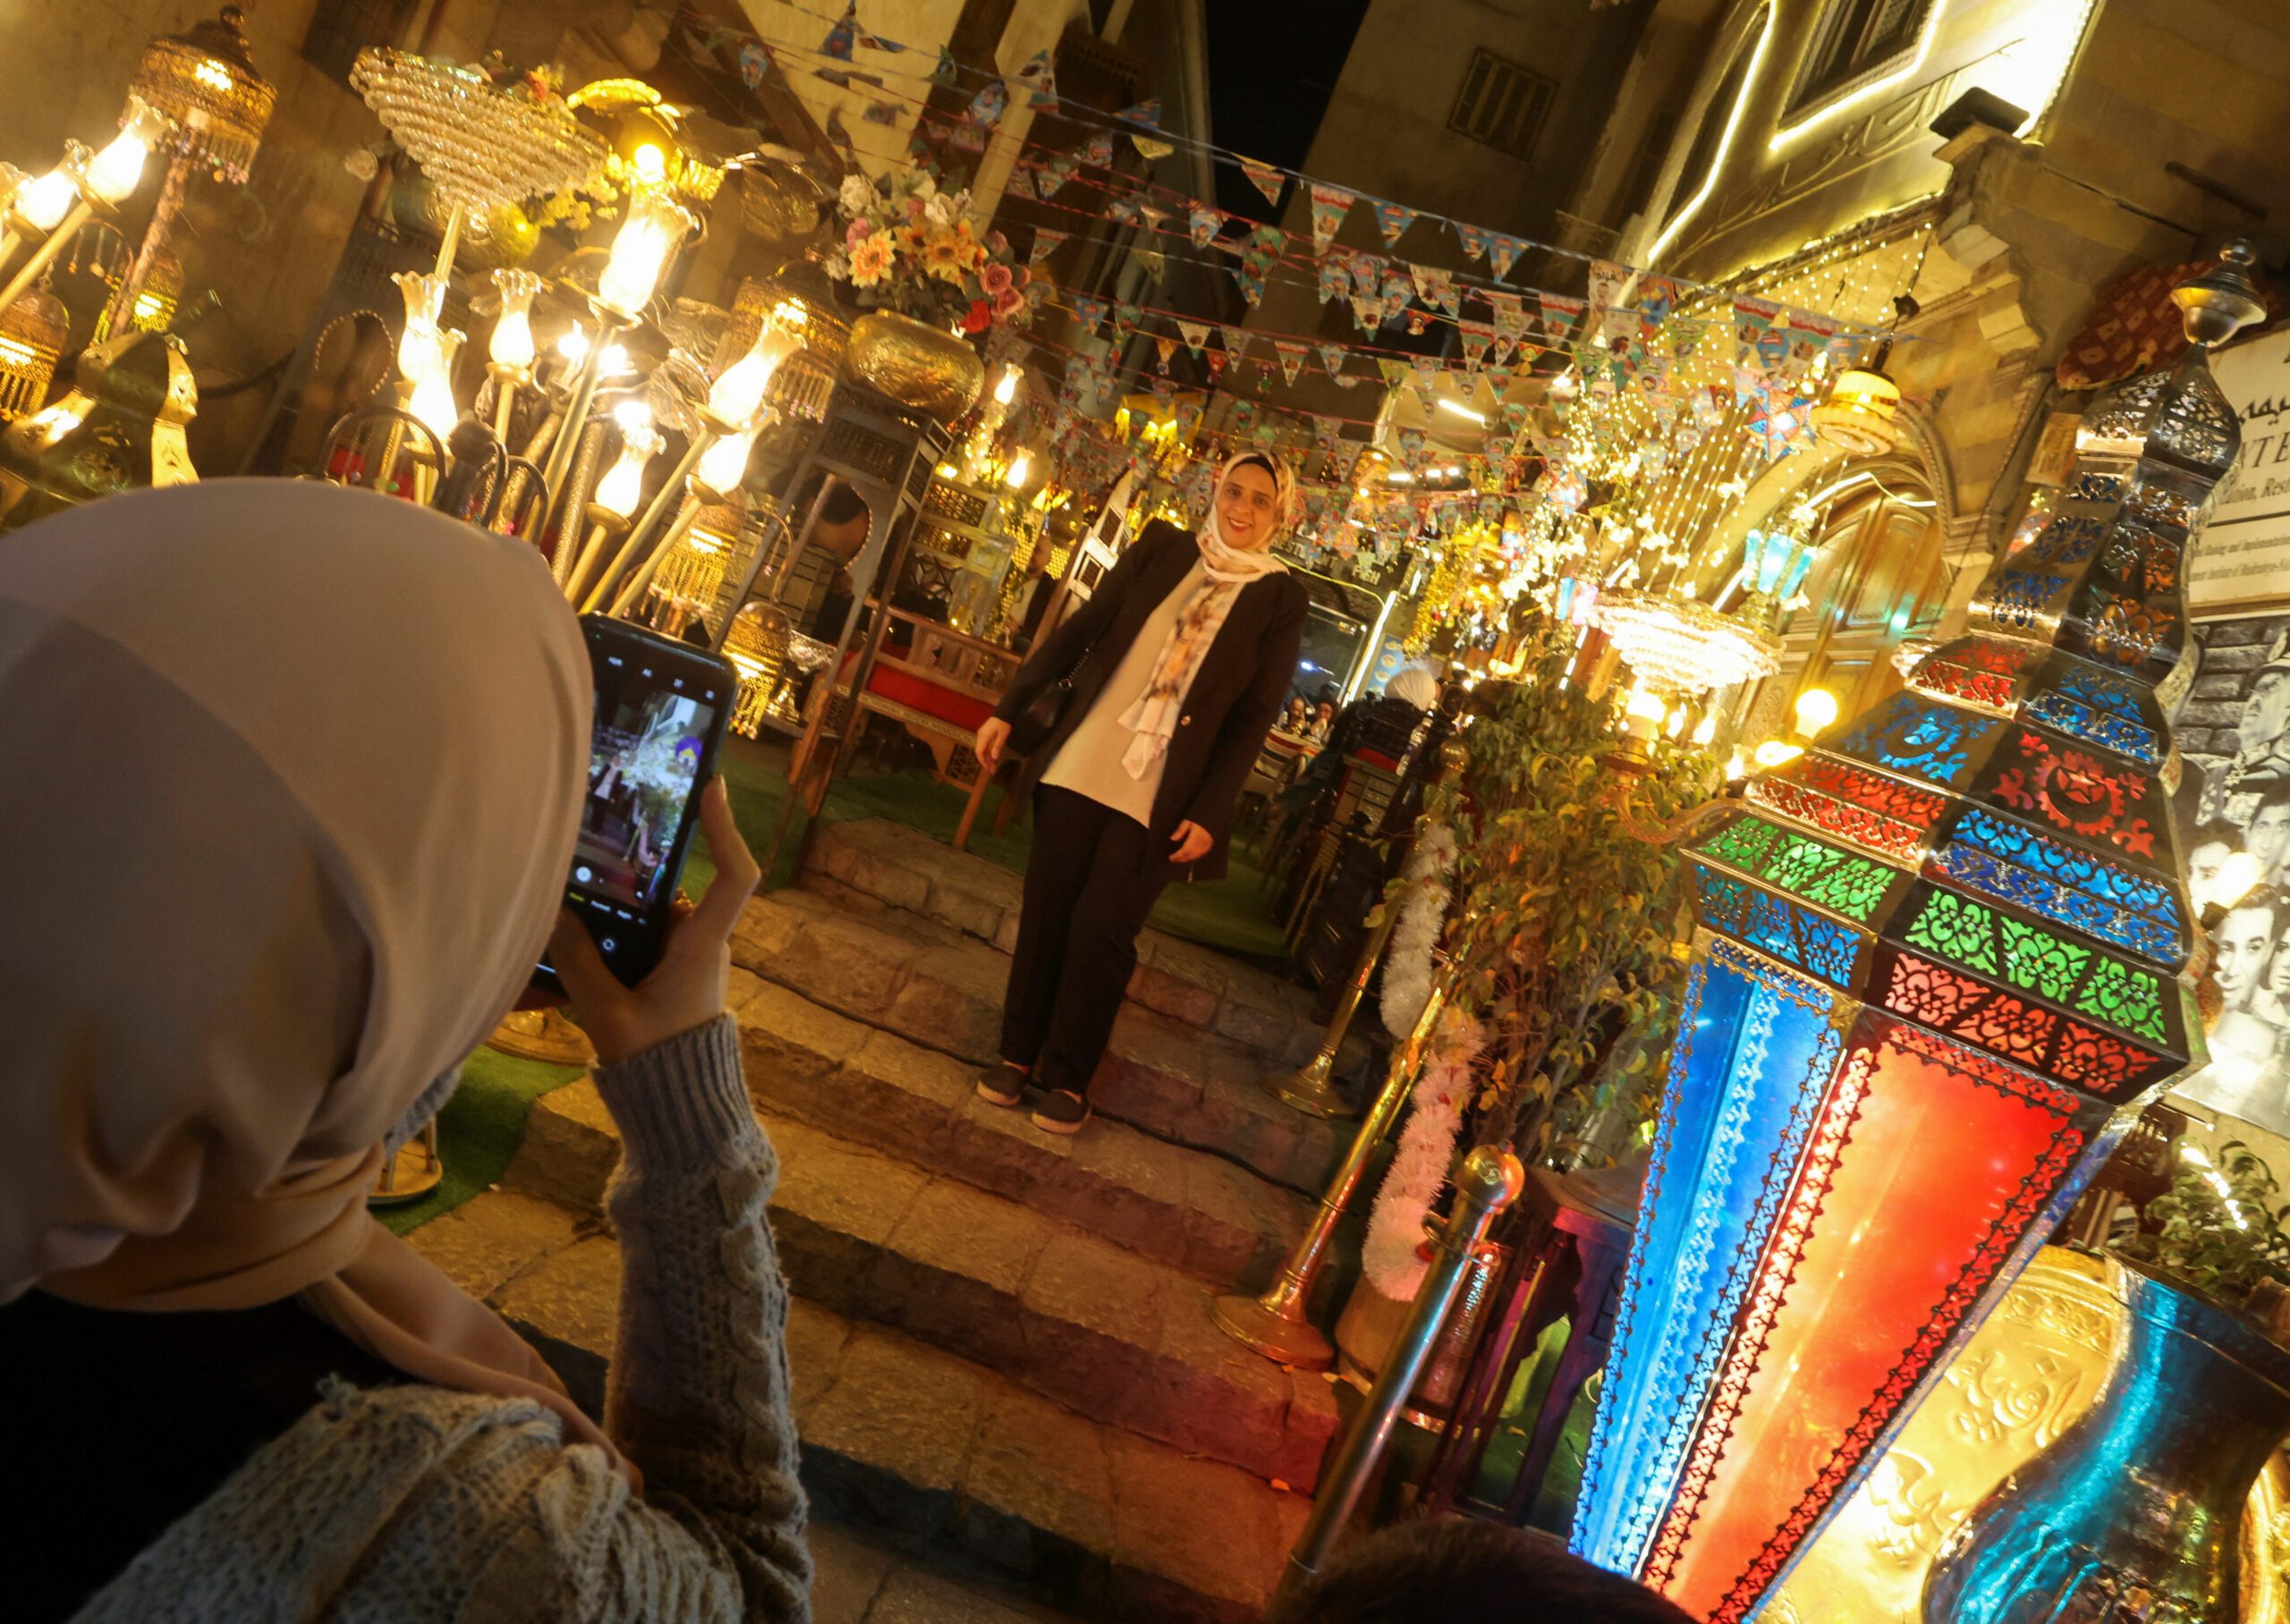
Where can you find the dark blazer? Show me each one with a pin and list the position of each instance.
(1233, 700)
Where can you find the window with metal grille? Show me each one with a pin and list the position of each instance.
(1853, 40)
(1501, 104)
(340, 29)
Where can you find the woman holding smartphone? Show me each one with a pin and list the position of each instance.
(300, 852)
(1170, 676)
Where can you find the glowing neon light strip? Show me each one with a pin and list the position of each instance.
(1875, 87)
(1725, 145)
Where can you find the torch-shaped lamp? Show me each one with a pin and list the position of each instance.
(1937, 964)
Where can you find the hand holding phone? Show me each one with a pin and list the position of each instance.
(660, 710)
(688, 985)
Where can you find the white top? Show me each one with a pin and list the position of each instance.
(1088, 763)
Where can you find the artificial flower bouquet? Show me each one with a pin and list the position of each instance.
(909, 247)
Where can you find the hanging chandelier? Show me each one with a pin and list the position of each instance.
(1683, 648)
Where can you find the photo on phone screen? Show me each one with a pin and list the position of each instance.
(660, 710)
(644, 771)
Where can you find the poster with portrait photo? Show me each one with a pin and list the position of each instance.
(2233, 731)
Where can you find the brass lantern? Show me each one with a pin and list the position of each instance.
(32, 334)
(798, 296)
(204, 81)
(118, 429)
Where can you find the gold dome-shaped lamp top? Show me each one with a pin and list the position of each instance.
(2223, 300)
(204, 81)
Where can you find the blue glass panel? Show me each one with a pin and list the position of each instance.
(1918, 738)
(1755, 1052)
(2135, 739)
(2072, 866)
(2039, 895)
(1793, 935)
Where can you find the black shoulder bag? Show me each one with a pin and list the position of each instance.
(1038, 721)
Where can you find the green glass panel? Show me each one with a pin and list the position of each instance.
(2131, 999)
(1956, 929)
(2044, 964)
(1743, 844)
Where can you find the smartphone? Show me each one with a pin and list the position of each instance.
(661, 706)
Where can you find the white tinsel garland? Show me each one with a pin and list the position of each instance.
(1426, 1151)
(1422, 909)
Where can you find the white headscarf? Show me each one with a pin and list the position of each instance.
(291, 775)
(1153, 718)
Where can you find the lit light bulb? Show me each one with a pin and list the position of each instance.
(736, 398)
(113, 172)
(614, 362)
(574, 346)
(723, 466)
(1016, 477)
(947, 470)
(433, 386)
(622, 485)
(512, 344)
(1705, 730)
(1773, 752)
(50, 424)
(46, 201)
(651, 164)
(639, 253)
(1006, 391)
(1816, 711)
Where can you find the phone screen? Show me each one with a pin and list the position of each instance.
(644, 771)
(660, 710)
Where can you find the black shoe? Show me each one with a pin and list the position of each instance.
(1004, 1084)
(1061, 1111)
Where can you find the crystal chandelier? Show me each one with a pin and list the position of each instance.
(1683, 648)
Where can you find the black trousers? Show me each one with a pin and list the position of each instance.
(1091, 879)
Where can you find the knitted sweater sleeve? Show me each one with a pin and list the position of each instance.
(700, 1394)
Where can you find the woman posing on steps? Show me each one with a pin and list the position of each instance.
(1174, 672)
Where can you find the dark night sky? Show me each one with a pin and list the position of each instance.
(1272, 66)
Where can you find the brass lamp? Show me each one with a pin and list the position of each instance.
(33, 332)
(204, 84)
(119, 428)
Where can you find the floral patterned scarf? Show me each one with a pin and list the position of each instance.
(1154, 717)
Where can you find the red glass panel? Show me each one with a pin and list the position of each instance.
(1927, 1162)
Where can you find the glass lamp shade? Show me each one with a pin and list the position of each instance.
(44, 202)
(512, 344)
(1936, 969)
(722, 467)
(655, 224)
(622, 485)
(737, 396)
(114, 174)
(433, 384)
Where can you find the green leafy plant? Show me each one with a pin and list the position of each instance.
(1566, 915)
(2218, 1232)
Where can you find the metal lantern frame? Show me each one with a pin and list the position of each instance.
(1939, 964)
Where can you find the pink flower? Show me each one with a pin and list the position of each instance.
(861, 230)
(996, 279)
(1007, 303)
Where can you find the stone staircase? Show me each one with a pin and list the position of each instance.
(1001, 1341)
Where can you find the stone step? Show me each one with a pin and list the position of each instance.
(897, 974)
(1119, 1337)
(936, 1454)
(876, 862)
(1197, 1212)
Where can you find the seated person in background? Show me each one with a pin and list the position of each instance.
(1033, 598)
(1458, 1568)
(1294, 718)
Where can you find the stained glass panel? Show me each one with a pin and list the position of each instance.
(1921, 738)
(1841, 881)
(2060, 785)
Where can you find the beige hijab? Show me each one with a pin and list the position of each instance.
(288, 782)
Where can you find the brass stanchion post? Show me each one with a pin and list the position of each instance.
(1274, 1324)
(1311, 1088)
(1489, 1180)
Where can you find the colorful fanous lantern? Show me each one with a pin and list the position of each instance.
(1938, 964)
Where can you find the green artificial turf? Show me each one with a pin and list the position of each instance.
(480, 1129)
